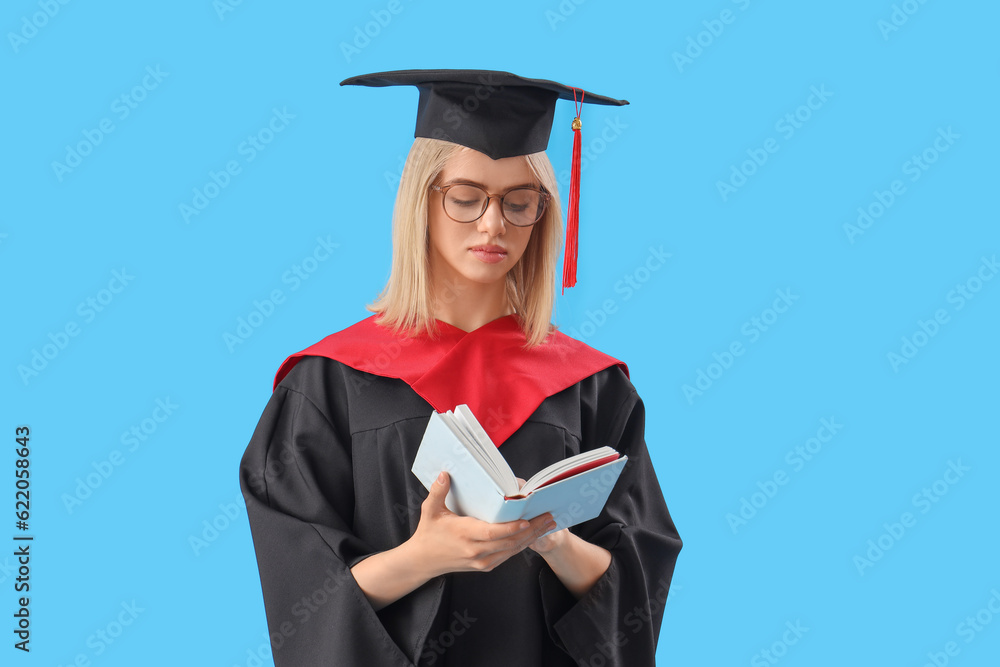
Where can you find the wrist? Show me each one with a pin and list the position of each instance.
(578, 564)
(562, 543)
(411, 558)
(386, 576)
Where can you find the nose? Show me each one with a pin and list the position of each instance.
(492, 221)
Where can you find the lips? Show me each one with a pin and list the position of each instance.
(491, 254)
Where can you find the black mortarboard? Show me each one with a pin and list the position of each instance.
(496, 113)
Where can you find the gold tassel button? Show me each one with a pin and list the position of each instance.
(577, 124)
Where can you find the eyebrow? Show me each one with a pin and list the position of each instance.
(465, 181)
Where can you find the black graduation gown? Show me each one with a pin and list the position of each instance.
(327, 482)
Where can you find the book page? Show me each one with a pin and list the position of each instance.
(467, 440)
(583, 460)
(497, 466)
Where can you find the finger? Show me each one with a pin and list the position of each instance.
(542, 524)
(520, 482)
(536, 527)
(533, 538)
(513, 536)
(439, 489)
(541, 520)
(501, 532)
(539, 526)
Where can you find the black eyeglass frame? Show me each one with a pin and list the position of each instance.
(443, 189)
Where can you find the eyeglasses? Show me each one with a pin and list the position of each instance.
(521, 207)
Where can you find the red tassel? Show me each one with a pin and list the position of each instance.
(573, 214)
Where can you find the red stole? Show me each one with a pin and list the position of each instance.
(487, 369)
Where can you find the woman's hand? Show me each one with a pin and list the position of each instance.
(577, 563)
(550, 542)
(446, 542)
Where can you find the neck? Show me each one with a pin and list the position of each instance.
(469, 305)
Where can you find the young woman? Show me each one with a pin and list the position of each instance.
(359, 564)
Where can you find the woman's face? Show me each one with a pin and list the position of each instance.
(485, 250)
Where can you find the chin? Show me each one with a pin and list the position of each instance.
(486, 276)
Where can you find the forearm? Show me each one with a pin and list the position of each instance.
(577, 563)
(389, 575)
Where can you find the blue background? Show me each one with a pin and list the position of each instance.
(652, 182)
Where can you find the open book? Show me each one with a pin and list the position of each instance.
(483, 485)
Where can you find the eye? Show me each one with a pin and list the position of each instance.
(465, 196)
(521, 200)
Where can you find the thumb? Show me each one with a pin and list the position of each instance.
(438, 491)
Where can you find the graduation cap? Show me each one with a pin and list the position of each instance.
(496, 113)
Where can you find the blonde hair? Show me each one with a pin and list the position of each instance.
(406, 301)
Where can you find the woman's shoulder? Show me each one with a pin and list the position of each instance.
(320, 379)
(608, 388)
(353, 345)
(572, 350)
(352, 399)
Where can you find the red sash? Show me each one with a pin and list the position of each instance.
(488, 369)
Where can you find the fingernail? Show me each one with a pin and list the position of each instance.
(440, 478)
